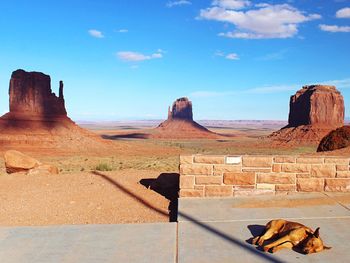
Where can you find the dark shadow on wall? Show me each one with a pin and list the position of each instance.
(234, 241)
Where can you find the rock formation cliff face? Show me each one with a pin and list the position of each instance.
(336, 139)
(180, 123)
(315, 110)
(30, 94)
(38, 118)
(317, 105)
(181, 110)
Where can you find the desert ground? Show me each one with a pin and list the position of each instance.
(123, 183)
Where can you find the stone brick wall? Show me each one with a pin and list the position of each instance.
(228, 176)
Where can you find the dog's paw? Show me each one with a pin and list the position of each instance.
(274, 249)
(255, 240)
(261, 242)
(266, 249)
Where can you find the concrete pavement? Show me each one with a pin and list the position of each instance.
(208, 230)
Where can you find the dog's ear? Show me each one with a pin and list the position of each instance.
(325, 247)
(317, 232)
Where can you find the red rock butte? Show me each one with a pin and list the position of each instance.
(314, 111)
(180, 123)
(37, 117)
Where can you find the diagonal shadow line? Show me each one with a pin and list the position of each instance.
(224, 236)
(128, 192)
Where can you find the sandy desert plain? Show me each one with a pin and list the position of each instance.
(111, 184)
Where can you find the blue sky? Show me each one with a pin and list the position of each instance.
(130, 59)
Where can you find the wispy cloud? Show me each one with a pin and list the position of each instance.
(334, 28)
(232, 56)
(229, 56)
(231, 4)
(278, 55)
(123, 30)
(258, 22)
(343, 13)
(130, 56)
(178, 3)
(96, 33)
(340, 84)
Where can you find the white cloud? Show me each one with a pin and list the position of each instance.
(131, 56)
(96, 33)
(123, 30)
(232, 4)
(264, 21)
(178, 3)
(278, 55)
(343, 13)
(232, 56)
(334, 28)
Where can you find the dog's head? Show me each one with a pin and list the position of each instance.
(313, 243)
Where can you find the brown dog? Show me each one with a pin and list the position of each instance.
(289, 235)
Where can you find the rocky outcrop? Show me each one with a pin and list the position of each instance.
(16, 161)
(181, 110)
(180, 123)
(38, 118)
(336, 139)
(30, 94)
(317, 105)
(315, 110)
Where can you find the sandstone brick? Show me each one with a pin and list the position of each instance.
(220, 169)
(257, 170)
(296, 168)
(277, 168)
(186, 182)
(253, 192)
(199, 187)
(209, 159)
(195, 169)
(205, 180)
(310, 160)
(285, 187)
(191, 193)
(257, 161)
(306, 175)
(218, 190)
(285, 159)
(337, 160)
(239, 178)
(337, 185)
(265, 187)
(342, 167)
(343, 174)
(233, 160)
(323, 171)
(310, 184)
(276, 178)
(243, 187)
(186, 159)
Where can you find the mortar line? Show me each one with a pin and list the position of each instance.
(269, 219)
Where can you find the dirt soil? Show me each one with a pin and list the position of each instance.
(126, 192)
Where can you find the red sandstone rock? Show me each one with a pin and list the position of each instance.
(180, 123)
(181, 109)
(31, 94)
(314, 111)
(38, 118)
(317, 105)
(18, 162)
(336, 139)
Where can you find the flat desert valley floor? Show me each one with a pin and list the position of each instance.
(116, 185)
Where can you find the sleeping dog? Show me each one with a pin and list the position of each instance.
(290, 234)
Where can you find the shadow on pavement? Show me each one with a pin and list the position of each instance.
(232, 240)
